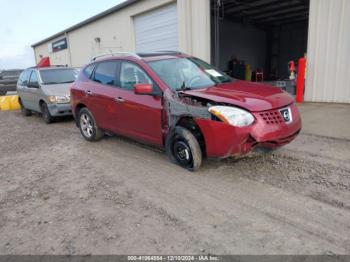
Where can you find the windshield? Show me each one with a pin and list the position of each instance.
(58, 76)
(188, 73)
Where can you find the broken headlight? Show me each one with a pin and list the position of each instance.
(232, 115)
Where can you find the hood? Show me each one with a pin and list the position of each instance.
(249, 95)
(57, 90)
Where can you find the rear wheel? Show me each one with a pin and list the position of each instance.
(24, 111)
(2, 93)
(88, 127)
(46, 114)
(183, 149)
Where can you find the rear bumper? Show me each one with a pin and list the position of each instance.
(60, 109)
(222, 140)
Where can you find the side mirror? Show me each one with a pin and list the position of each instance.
(143, 89)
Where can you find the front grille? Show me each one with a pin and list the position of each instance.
(272, 117)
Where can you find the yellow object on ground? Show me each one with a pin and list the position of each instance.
(9, 103)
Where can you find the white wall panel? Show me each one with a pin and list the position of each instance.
(116, 32)
(194, 27)
(328, 71)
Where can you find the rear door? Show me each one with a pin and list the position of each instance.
(102, 94)
(22, 87)
(33, 92)
(139, 116)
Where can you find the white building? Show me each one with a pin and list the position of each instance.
(266, 34)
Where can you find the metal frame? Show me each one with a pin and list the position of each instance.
(263, 13)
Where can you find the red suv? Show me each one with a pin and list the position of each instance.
(180, 103)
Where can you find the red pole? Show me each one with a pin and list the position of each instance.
(301, 80)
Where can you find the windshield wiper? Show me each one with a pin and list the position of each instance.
(50, 83)
(56, 83)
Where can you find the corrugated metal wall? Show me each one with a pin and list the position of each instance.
(328, 72)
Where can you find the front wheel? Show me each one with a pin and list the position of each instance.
(183, 149)
(46, 114)
(88, 127)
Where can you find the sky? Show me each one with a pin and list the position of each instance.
(25, 22)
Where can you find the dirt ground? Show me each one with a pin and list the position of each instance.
(62, 195)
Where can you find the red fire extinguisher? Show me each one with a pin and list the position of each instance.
(291, 66)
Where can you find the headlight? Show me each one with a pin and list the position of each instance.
(232, 115)
(59, 99)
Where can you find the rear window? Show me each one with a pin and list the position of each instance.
(58, 76)
(88, 70)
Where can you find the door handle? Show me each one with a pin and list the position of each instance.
(119, 100)
(88, 92)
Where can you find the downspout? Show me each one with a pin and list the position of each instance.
(69, 52)
(217, 32)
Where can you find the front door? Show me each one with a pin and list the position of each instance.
(139, 116)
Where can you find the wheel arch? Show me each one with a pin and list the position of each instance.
(190, 124)
(41, 102)
(77, 108)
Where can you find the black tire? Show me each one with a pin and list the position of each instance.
(2, 93)
(183, 149)
(45, 113)
(87, 125)
(24, 111)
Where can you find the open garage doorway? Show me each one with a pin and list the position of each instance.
(255, 40)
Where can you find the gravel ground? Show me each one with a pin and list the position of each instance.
(62, 195)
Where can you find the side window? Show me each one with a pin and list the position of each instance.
(131, 74)
(106, 73)
(33, 78)
(24, 78)
(88, 70)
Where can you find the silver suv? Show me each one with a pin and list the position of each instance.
(46, 91)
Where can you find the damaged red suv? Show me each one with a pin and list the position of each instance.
(180, 103)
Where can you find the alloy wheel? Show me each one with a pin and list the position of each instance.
(86, 125)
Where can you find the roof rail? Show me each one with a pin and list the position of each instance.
(116, 54)
(163, 52)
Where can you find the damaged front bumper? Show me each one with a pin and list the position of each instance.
(222, 140)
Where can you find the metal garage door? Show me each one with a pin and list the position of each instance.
(157, 30)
